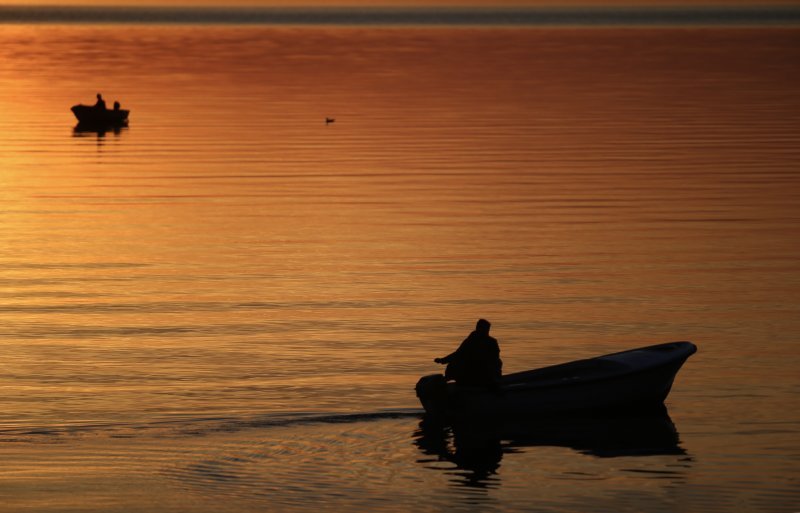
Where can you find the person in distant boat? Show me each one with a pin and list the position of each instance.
(116, 106)
(101, 103)
(476, 361)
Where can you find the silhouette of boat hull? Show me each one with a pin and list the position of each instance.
(91, 116)
(634, 379)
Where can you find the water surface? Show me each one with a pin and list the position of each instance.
(225, 305)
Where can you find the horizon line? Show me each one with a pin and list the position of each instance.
(708, 15)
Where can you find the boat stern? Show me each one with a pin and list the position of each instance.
(432, 393)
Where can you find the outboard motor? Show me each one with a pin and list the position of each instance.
(432, 393)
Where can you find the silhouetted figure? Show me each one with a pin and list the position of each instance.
(101, 103)
(328, 121)
(477, 359)
(116, 106)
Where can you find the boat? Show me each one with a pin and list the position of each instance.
(88, 115)
(626, 381)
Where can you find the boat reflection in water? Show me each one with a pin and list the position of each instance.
(99, 129)
(477, 448)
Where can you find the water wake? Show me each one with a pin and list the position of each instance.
(203, 425)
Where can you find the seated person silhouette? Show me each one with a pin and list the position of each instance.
(101, 103)
(477, 361)
(116, 105)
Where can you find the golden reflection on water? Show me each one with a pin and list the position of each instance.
(229, 254)
(515, 169)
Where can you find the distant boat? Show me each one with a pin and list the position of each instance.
(88, 115)
(626, 381)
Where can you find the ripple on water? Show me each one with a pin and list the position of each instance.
(360, 462)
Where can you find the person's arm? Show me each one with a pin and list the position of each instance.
(449, 358)
(446, 359)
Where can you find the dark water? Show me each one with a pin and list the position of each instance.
(475, 16)
(225, 305)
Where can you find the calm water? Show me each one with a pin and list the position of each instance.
(225, 306)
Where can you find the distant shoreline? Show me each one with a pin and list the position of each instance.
(390, 16)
